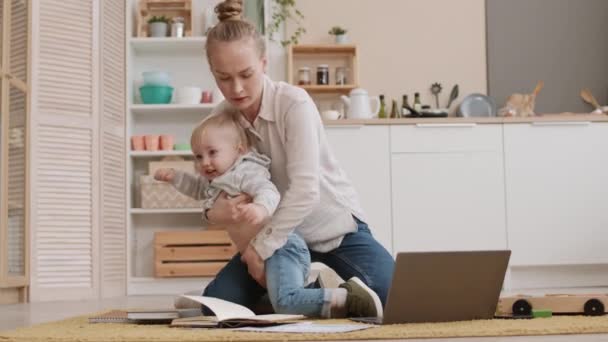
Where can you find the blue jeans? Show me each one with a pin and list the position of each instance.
(358, 255)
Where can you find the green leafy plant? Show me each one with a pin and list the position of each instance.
(158, 19)
(283, 11)
(337, 30)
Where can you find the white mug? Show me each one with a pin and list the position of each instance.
(331, 115)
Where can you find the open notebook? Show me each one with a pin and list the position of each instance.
(230, 315)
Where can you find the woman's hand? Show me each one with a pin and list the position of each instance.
(255, 265)
(254, 214)
(226, 210)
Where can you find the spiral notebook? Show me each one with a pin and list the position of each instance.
(149, 316)
(114, 316)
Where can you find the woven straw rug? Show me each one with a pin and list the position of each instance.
(78, 329)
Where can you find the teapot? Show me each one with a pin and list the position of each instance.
(358, 104)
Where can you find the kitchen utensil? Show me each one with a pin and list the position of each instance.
(137, 143)
(453, 95)
(182, 147)
(177, 27)
(188, 95)
(166, 142)
(436, 90)
(589, 98)
(358, 104)
(331, 115)
(156, 94)
(477, 105)
(152, 142)
(207, 97)
(156, 78)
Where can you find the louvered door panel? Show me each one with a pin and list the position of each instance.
(66, 77)
(18, 41)
(65, 151)
(16, 182)
(113, 206)
(64, 205)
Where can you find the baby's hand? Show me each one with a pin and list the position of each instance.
(165, 175)
(253, 213)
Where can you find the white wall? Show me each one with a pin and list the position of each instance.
(406, 45)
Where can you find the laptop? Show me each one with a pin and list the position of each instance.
(444, 287)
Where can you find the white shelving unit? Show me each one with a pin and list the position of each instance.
(170, 109)
(153, 154)
(135, 211)
(194, 45)
(185, 61)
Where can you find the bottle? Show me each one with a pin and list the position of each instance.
(382, 112)
(394, 110)
(404, 105)
(417, 104)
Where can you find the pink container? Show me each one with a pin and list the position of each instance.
(206, 97)
(166, 142)
(152, 142)
(137, 143)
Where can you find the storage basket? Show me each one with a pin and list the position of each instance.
(161, 195)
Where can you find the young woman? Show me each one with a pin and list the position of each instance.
(318, 201)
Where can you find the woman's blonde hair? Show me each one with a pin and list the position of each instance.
(222, 120)
(233, 27)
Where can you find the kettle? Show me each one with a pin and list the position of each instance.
(358, 104)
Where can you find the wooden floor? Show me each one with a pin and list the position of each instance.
(20, 315)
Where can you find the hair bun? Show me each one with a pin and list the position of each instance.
(229, 10)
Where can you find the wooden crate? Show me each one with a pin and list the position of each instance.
(191, 254)
(169, 8)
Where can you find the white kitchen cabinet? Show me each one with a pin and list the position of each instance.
(364, 154)
(447, 187)
(556, 192)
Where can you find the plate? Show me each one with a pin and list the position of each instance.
(477, 105)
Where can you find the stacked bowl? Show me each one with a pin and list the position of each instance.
(156, 88)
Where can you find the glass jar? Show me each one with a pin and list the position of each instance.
(304, 76)
(177, 27)
(341, 78)
(323, 74)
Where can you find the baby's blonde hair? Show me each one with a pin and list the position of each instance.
(222, 120)
(233, 27)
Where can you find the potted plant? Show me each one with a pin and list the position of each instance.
(284, 11)
(340, 34)
(158, 26)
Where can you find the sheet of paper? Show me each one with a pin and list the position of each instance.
(221, 308)
(309, 328)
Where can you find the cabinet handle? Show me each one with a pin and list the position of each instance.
(561, 123)
(344, 126)
(452, 125)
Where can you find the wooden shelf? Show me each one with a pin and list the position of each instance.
(171, 109)
(341, 55)
(329, 49)
(169, 45)
(327, 89)
(150, 154)
(141, 211)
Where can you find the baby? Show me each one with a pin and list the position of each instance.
(226, 162)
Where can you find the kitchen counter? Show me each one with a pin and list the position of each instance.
(564, 117)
